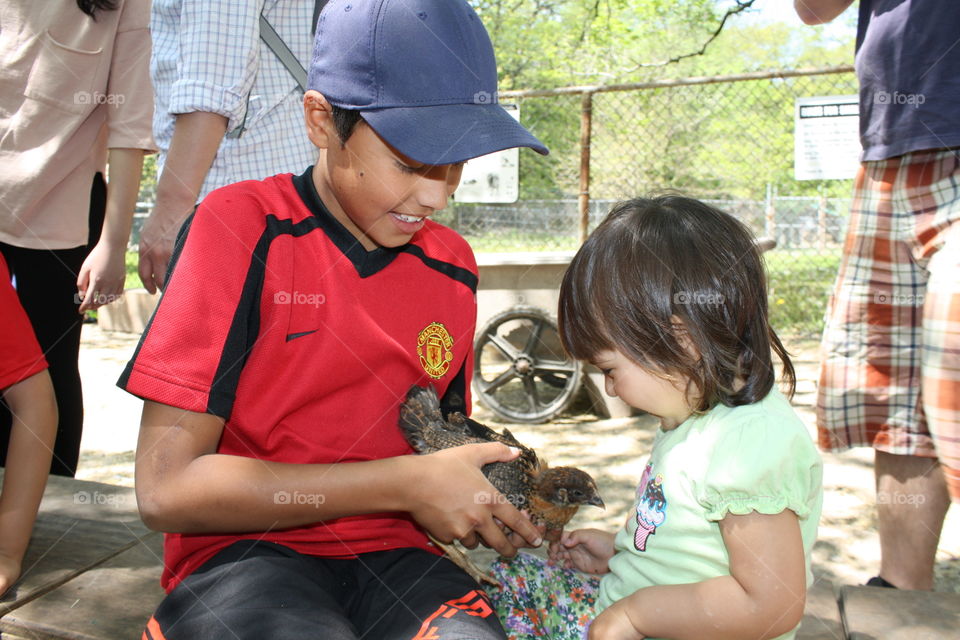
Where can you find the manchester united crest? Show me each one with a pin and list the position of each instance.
(435, 348)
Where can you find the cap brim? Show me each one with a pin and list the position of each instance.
(448, 134)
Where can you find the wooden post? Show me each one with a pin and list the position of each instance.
(770, 215)
(586, 124)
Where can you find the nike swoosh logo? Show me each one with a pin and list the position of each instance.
(294, 336)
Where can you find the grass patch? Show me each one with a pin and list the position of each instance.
(800, 284)
(133, 278)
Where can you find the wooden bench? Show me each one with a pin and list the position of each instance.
(92, 572)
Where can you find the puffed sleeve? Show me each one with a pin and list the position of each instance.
(130, 111)
(219, 55)
(761, 464)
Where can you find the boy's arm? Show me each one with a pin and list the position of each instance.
(104, 271)
(196, 139)
(34, 410)
(184, 486)
(763, 597)
(820, 11)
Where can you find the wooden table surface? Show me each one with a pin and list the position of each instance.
(92, 570)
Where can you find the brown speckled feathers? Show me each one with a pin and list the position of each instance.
(550, 495)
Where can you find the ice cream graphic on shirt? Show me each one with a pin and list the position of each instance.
(651, 507)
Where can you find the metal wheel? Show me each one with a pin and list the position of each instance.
(520, 370)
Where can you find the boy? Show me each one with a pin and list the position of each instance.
(299, 312)
(28, 406)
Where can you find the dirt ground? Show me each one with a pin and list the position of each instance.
(614, 451)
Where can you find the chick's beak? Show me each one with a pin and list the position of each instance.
(596, 501)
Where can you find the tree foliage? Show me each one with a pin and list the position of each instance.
(723, 141)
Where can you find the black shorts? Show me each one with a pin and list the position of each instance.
(262, 590)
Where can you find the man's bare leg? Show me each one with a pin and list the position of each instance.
(912, 502)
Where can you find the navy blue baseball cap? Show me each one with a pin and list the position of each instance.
(422, 73)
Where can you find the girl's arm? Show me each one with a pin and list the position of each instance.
(34, 410)
(103, 273)
(763, 597)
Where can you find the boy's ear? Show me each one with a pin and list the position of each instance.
(318, 117)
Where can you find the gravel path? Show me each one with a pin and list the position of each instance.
(612, 450)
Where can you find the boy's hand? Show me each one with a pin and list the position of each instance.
(587, 550)
(453, 500)
(614, 624)
(10, 568)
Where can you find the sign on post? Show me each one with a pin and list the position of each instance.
(826, 138)
(494, 177)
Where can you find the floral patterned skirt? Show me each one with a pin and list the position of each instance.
(539, 600)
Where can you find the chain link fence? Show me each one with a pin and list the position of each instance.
(725, 140)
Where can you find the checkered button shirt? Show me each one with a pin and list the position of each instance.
(208, 56)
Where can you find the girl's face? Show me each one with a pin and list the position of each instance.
(654, 393)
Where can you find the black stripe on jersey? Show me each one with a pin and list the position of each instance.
(245, 327)
(455, 399)
(368, 263)
(459, 274)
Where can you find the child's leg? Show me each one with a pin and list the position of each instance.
(538, 600)
(412, 594)
(254, 590)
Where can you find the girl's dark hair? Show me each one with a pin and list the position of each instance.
(654, 260)
(344, 121)
(90, 7)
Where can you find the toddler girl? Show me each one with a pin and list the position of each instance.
(668, 299)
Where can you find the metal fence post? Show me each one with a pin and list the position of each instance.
(586, 124)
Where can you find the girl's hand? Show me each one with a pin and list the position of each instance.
(614, 624)
(587, 550)
(101, 277)
(10, 567)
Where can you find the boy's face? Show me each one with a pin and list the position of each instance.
(381, 196)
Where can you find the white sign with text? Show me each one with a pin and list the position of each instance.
(826, 142)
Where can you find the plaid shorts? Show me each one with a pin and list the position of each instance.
(890, 375)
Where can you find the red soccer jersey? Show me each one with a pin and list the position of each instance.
(20, 354)
(277, 320)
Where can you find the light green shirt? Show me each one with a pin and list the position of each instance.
(758, 457)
